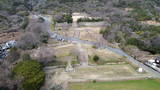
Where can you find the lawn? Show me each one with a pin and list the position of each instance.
(106, 71)
(119, 85)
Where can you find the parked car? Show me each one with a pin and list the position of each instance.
(152, 63)
(4, 49)
(157, 60)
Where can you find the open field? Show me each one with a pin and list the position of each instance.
(119, 85)
(105, 72)
(105, 56)
(100, 73)
(85, 33)
(89, 73)
(65, 52)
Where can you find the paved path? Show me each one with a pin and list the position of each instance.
(58, 37)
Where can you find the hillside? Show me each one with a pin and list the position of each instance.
(13, 11)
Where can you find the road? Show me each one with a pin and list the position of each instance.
(120, 52)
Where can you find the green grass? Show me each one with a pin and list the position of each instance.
(104, 61)
(119, 85)
(52, 26)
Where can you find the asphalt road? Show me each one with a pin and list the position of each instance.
(58, 37)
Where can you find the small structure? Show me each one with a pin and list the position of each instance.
(77, 16)
(69, 67)
(140, 70)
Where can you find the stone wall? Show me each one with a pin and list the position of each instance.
(92, 24)
(62, 26)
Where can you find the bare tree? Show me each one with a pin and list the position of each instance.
(28, 41)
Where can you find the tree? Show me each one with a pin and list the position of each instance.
(155, 45)
(64, 18)
(32, 73)
(28, 41)
(25, 23)
(40, 32)
(68, 18)
(44, 37)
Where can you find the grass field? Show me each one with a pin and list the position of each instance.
(119, 85)
(106, 72)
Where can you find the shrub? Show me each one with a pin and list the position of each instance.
(26, 56)
(65, 18)
(120, 37)
(139, 32)
(141, 45)
(155, 45)
(23, 13)
(28, 41)
(44, 37)
(74, 62)
(134, 26)
(13, 55)
(105, 31)
(94, 46)
(96, 58)
(141, 14)
(153, 29)
(94, 81)
(153, 48)
(102, 31)
(68, 18)
(90, 20)
(32, 73)
(25, 23)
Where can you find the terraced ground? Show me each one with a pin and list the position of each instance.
(149, 84)
(105, 73)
